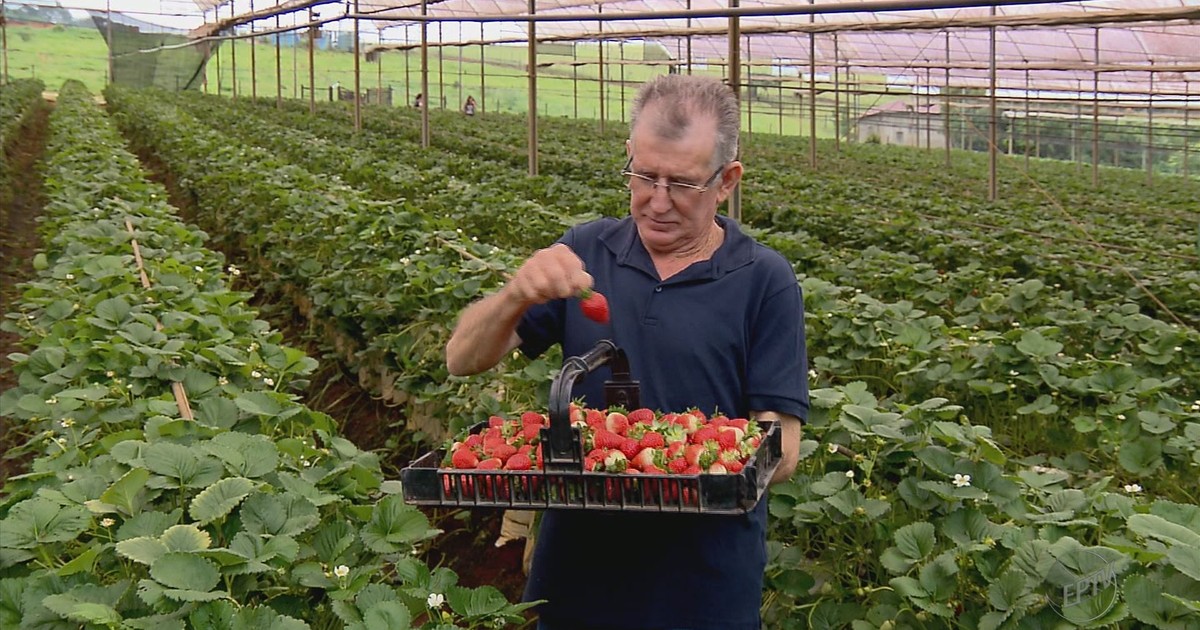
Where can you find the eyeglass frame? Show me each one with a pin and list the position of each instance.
(698, 189)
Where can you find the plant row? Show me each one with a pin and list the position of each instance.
(16, 102)
(174, 482)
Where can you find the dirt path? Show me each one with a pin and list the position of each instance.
(19, 241)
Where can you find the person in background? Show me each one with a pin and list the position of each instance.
(708, 317)
(469, 106)
(419, 101)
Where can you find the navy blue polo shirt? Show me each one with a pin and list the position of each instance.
(724, 335)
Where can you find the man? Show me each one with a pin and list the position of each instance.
(708, 318)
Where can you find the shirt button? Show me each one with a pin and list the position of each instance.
(658, 289)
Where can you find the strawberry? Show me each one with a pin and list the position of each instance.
(593, 464)
(677, 465)
(740, 423)
(491, 463)
(606, 439)
(532, 417)
(596, 419)
(734, 467)
(643, 416)
(594, 306)
(464, 458)
(503, 451)
(699, 455)
(738, 433)
(704, 434)
(651, 469)
(616, 462)
(531, 432)
(647, 458)
(692, 469)
(688, 421)
(652, 440)
(518, 461)
(495, 421)
(718, 420)
(473, 440)
(717, 469)
(629, 447)
(727, 439)
(675, 448)
(699, 414)
(617, 422)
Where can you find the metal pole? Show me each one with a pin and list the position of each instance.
(483, 85)
(460, 76)
(441, 70)
(735, 82)
(749, 97)
(837, 98)
(1026, 147)
(533, 134)
(233, 55)
(424, 93)
(1150, 131)
(812, 93)
(928, 111)
(600, 25)
(4, 40)
(1096, 110)
(109, 40)
(295, 63)
(216, 16)
(312, 71)
(946, 102)
(278, 67)
(575, 79)
(780, 97)
(379, 72)
(357, 75)
(689, 39)
(407, 78)
(1187, 133)
(621, 52)
(992, 127)
(253, 59)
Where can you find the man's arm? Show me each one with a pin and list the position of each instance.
(487, 330)
(790, 426)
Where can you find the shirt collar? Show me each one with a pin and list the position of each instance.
(622, 240)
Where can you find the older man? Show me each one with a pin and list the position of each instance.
(709, 319)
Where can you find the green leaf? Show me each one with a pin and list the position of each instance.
(244, 454)
(87, 612)
(82, 563)
(1142, 456)
(278, 515)
(113, 310)
(387, 616)
(150, 524)
(1005, 592)
(473, 603)
(916, 540)
(1147, 604)
(179, 462)
(1159, 528)
(394, 526)
(184, 571)
(937, 577)
(219, 499)
(185, 538)
(1186, 559)
(126, 492)
(39, 521)
(258, 403)
(1035, 345)
(142, 549)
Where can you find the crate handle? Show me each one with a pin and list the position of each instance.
(564, 448)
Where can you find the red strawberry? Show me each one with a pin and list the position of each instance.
(532, 417)
(643, 416)
(629, 447)
(677, 465)
(617, 422)
(699, 414)
(594, 306)
(540, 464)
(675, 448)
(606, 439)
(531, 432)
(503, 451)
(596, 419)
(464, 458)
(590, 463)
(652, 440)
(692, 469)
(740, 423)
(704, 434)
(646, 458)
(688, 421)
(734, 466)
(651, 469)
(616, 462)
(738, 433)
(727, 439)
(491, 463)
(518, 461)
(473, 440)
(717, 469)
(495, 421)
(718, 421)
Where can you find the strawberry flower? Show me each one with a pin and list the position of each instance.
(341, 571)
(435, 600)
(961, 481)
(1132, 488)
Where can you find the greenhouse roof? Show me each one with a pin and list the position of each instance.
(1141, 46)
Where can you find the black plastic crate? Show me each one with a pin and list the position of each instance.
(564, 484)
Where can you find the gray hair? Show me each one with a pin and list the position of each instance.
(682, 98)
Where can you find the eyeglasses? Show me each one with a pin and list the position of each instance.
(676, 190)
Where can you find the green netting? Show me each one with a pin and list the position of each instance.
(146, 55)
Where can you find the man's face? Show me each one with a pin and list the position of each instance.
(668, 222)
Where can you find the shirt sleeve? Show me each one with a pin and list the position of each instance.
(777, 373)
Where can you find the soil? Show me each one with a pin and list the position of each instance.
(19, 241)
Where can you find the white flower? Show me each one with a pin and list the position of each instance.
(832, 448)
(253, 346)
(60, 441)
(495, 250)
(972, 338)
(110, 374)
(255, 374)
(52, 401)
(66, 423)
(1132, 488)
(341, 571)
(1178, 349)
(108, 522)
(70, 276)
(474, 239)
(234, 271)
(270, 382)
(856, 291)
(222, 381)
(459, 230)
(435, 600)
(1013, 373)
(1196, 407)
(961, 481)
(404, 261)
(1120, 416)
(198, 268)
(812, 374)
(1016, 324)
(849, 474)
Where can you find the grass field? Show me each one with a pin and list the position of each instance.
(499, 83)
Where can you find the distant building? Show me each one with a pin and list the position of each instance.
(903, 123)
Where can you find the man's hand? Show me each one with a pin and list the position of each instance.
(790, 426)
(550, 274)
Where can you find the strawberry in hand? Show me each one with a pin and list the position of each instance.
(594, 306)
